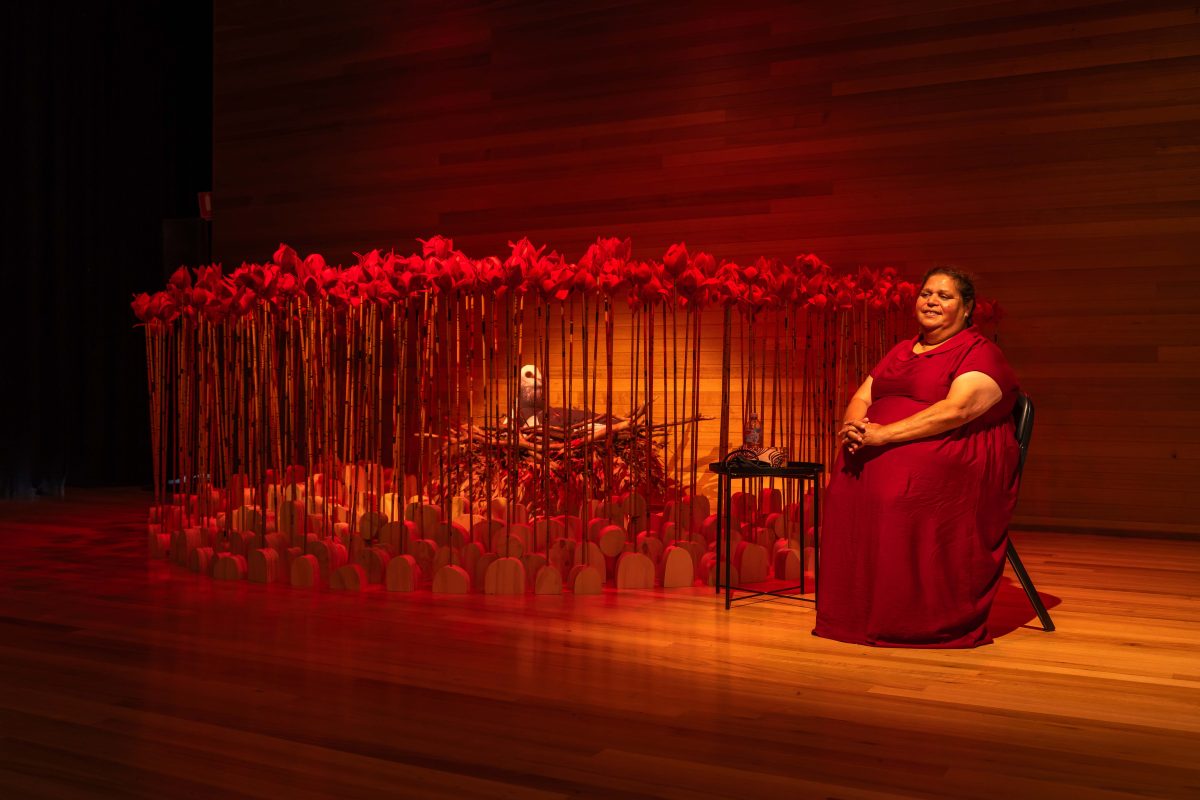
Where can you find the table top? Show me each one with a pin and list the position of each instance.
(792, 469)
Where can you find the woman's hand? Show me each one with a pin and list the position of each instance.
(851, 432)
(856, 434)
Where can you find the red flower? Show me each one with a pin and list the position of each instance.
(676, 260)
(691, 285)
(583, 280)
(181, 279)
(437, 247)
(141, 306)
(287, 259)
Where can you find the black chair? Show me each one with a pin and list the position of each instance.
(1023, 416)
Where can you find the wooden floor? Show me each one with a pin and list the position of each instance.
(125, 678)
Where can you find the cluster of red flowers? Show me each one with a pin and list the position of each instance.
(607, 269)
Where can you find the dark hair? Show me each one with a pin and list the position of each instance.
(963, 281)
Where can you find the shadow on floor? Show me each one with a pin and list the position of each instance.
(1011, 609)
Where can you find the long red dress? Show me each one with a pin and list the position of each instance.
(913, 536)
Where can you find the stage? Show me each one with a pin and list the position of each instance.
(124, 676)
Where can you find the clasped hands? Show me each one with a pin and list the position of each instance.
(858, 433)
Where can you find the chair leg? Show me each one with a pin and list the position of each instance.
(1030, 591)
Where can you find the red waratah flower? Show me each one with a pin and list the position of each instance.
(141, 306)
(287, 259)
(607, 267)
(582, 279)
(437, 247)
(676, 259)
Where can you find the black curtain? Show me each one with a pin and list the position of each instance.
(107, 132)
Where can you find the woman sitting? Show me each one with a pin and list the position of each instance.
(915, 528)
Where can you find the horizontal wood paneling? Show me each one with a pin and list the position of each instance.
(1053, 148)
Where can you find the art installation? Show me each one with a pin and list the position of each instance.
(510, 424)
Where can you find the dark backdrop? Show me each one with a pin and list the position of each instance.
(108, 131)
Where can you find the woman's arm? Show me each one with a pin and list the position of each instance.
(971, 394)
(856, 413)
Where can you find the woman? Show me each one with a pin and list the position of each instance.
(914, 532)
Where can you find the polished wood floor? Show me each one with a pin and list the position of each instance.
(125, 678)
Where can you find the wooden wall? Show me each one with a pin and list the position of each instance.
(1051, 147)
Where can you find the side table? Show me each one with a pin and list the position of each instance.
(809, 474)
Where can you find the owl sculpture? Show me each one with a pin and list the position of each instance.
(530, 395)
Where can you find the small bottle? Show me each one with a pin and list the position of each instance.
(752, 436)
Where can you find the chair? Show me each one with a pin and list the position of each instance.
(1023, 416)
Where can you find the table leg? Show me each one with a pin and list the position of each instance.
(817, 539)
(728, 543)
(721, 480)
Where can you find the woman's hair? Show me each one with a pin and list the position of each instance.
(963, 281)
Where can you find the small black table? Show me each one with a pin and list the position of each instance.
(807, 472)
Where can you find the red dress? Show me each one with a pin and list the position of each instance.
(913, 534)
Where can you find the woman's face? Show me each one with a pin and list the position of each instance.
(940, 307)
